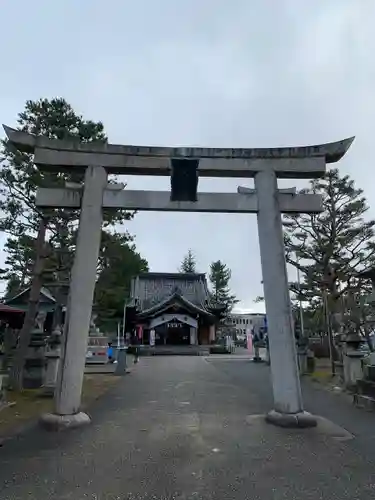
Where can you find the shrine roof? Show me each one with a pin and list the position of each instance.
(175, 301)
(154, 289)
(45, 296)
(11, 310)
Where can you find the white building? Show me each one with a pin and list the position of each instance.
(244, 322)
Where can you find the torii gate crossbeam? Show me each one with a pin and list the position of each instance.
(159, 201)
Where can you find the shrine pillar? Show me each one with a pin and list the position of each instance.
(212, 333)
(193, 335)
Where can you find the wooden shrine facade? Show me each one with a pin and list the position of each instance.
(172, 309)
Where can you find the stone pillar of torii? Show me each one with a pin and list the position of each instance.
(184, 166)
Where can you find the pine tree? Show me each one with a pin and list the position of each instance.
(19, 180)
(19, 261)
(219, 277)
(331, 247)
(188, 265)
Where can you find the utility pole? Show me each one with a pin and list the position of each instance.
(124, 322)
(302, 323)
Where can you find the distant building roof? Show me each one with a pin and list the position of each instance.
(248, 314)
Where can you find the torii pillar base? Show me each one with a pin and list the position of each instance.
(300, 420)
(54, 422)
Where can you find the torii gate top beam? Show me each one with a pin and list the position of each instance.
(288, 162)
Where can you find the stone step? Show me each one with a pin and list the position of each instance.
(174, 351)
(366, 388)
(363, 401)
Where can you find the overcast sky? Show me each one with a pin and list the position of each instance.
(214, 73)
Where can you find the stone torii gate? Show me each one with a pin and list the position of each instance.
(184, 166)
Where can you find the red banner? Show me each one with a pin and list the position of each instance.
(140, 331)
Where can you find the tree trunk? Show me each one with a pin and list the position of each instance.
(328, 326)
(16, 372)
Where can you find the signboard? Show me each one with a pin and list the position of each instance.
(174, 324)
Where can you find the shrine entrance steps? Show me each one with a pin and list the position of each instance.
(175, 350)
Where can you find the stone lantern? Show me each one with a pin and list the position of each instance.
(352, 360)
(35, 362)
(53, 354)
(370, 299)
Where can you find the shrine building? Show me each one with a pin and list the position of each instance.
(175, 307)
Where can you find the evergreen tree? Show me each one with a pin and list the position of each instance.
(331, 247)
(19, 180)
(219, 277)
(188, 265)
(19, 261)
(118, 263)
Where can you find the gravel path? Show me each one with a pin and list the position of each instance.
(189, 428)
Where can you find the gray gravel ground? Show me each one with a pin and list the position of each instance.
(187, 428)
